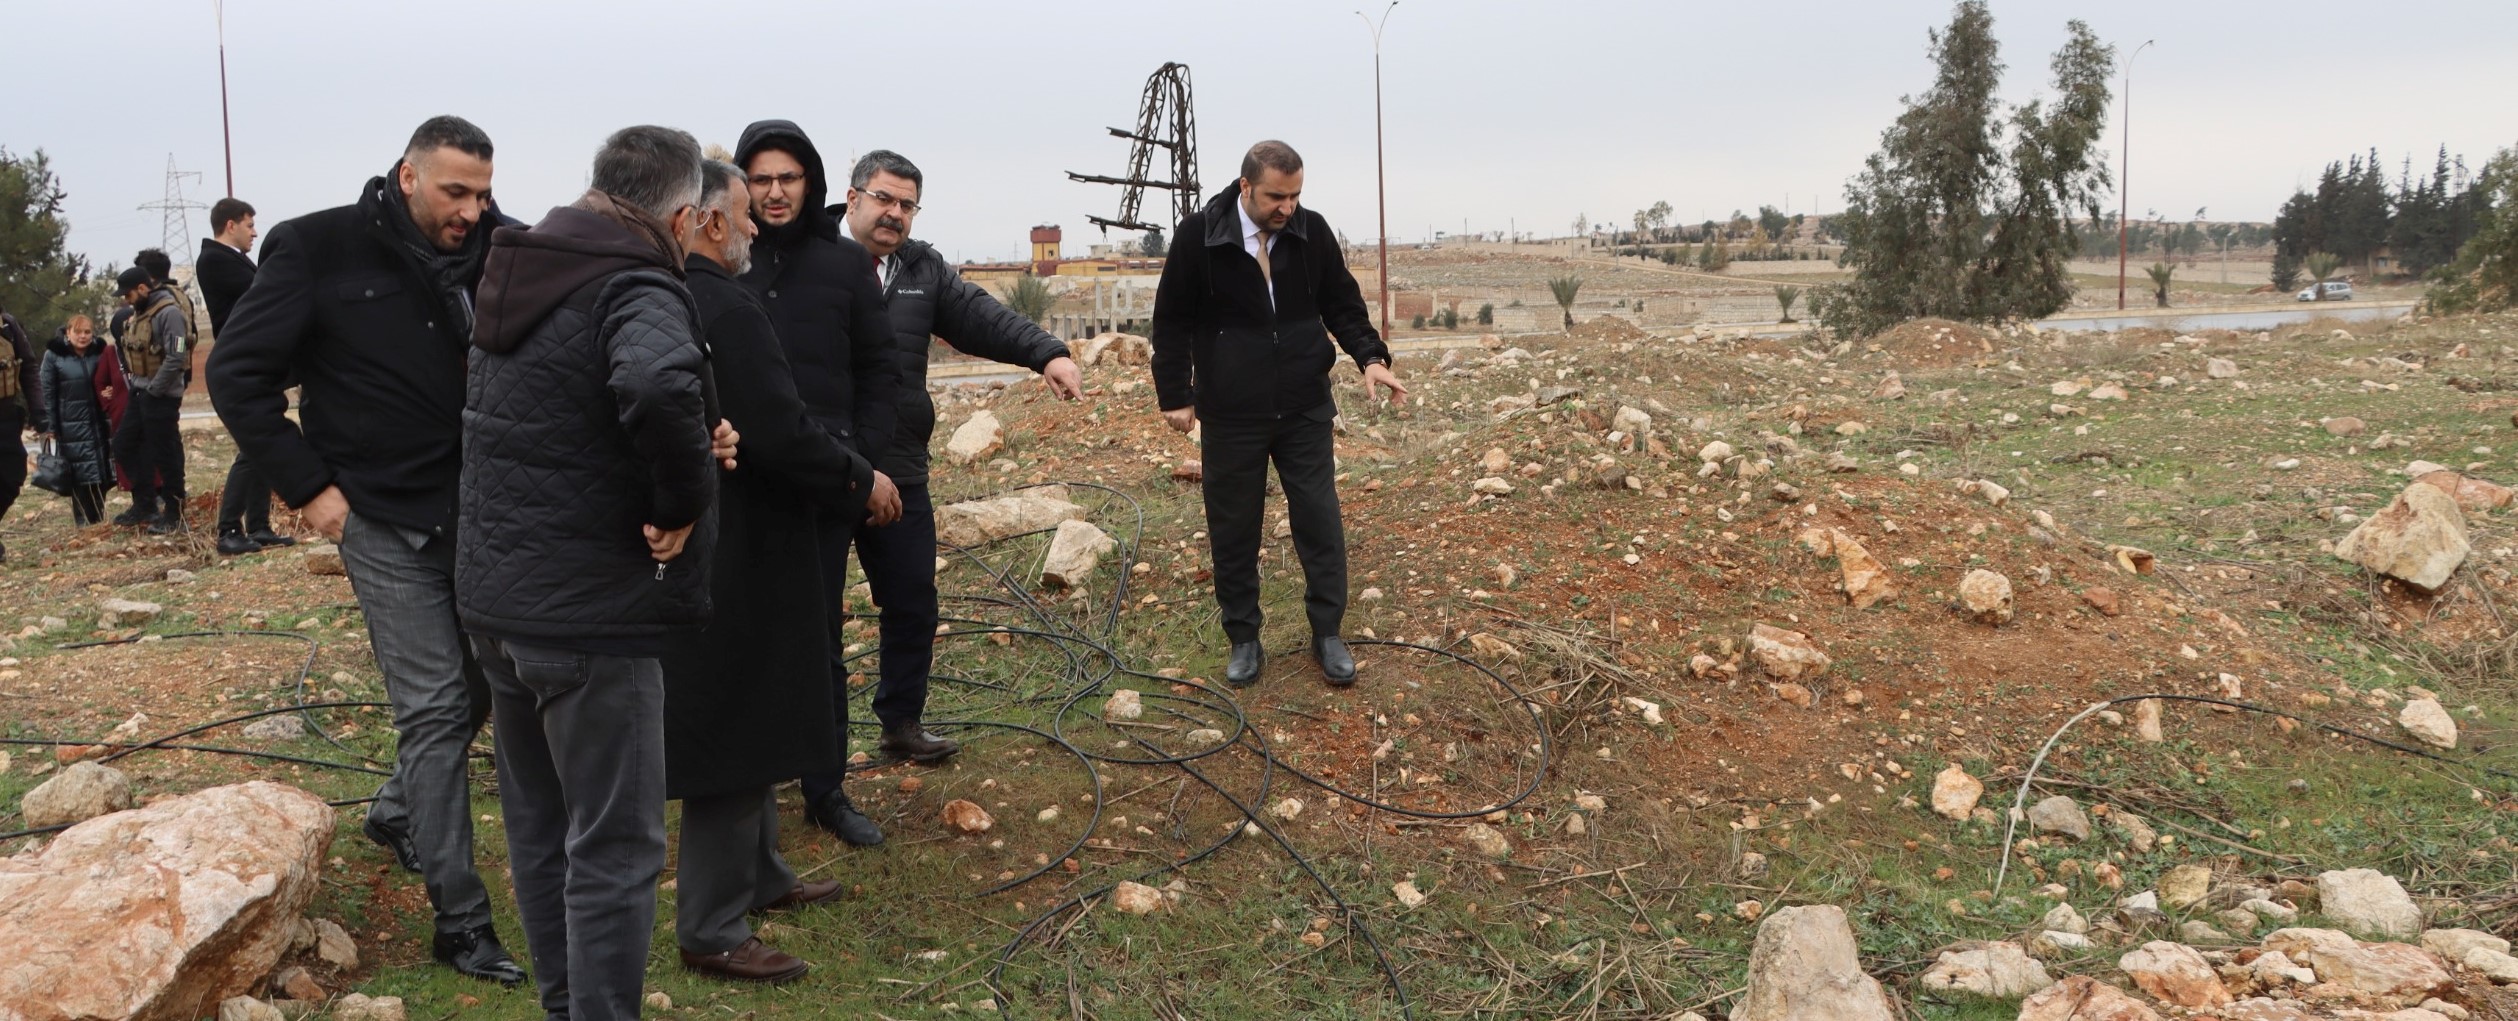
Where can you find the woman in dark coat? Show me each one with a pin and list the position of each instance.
(748, 699)
(76, 393)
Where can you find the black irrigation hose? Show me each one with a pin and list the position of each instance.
(2011, 827)
(305, 671)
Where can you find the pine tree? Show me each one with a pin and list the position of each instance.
(1960, 216)
(41, 282)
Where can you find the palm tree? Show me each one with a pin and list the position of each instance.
(1565, 288)
(2321, 267)
(1786, 295)
(1029, 297)
(2160, 272)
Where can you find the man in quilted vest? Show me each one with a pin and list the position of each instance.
(156, 347)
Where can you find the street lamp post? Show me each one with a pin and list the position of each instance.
(2124, 174)
(1381, 180)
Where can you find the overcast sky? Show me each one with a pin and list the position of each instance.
(1500, 113)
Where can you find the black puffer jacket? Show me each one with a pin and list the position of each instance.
(341, 304)
(77, 418)
(1221, 347)
(927, 297)
(585, 419)
(823, 299)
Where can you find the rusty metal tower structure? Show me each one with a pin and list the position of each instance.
(1164, 120)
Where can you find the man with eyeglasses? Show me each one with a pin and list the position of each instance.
(1250, 359)
(926, 298)
(819, 288)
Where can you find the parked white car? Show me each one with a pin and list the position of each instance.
(2336, 290)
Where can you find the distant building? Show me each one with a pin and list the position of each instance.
(1048, 260)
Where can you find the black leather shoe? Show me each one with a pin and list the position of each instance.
(475, 952)
(1336, 663)
(840, 817)
(912, 742)
(752, 961)
(168, 523)
(268, 538)
(395, 840)
(1242, 669)
(137, 515)
(236, 544)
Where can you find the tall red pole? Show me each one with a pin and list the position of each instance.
(1381, 179)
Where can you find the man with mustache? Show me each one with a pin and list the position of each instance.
(1253, 291)
(369, 307)
(925, 298)
(822, 297)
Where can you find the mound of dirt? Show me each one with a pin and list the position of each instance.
(1612, 330)
(1935, 344)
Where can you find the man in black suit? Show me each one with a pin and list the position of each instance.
(224, 272)
(1253, 291)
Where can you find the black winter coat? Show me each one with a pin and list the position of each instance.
(1217, 344)
(927, 297)
(585, 420)
(340, 305)
(748, 699)
(77, 419)
(822, 297)
(223, 273)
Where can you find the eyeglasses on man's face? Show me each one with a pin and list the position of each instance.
(886, 200)
(789, 179)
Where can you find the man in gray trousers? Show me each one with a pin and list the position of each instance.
(368, 306)
(588, 483)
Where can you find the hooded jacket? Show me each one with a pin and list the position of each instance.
(927, 297)
(340, 305)
(822, 297)
(76, 416)
(585, 419)
(1222, 346)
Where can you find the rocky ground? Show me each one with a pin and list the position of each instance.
(1703, 640)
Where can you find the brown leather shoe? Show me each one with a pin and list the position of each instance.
(751, 961)
(803, 895)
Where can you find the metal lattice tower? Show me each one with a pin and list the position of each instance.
(177, 238)
(1164, 119)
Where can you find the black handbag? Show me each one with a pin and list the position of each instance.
(52, 471)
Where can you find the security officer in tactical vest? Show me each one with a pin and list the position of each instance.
(156, 353)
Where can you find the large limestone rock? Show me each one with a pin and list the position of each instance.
(1073, 553)
(2428, 722)
(979, 522)
(161, 913)
(2474, 496)
(1998, 971)
(1867, 581)
(1986, 595)
(2082, 998)
(112, 612)
(2394, 970)
(1786, 655)
(975, 438)
(82, 792)
(2419, 539)
(2059, 815)
(1955, 793)
(2368, 902)
(1117, 349)
(2175, 973)
(1805, 967)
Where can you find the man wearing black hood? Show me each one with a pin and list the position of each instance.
(587, 487)
(823, 299)
(369, 306)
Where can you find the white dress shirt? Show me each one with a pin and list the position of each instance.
(1250, 244)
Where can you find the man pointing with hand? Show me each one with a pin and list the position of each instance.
(1255, 288)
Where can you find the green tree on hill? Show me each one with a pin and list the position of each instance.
(1565, 288)
(1962, 213)
(2484, 278)
(41, 282)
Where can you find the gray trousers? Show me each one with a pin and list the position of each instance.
(581, 785)
(730, 865)
(405, 582)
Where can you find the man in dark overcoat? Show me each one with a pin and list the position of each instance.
(748, 699)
